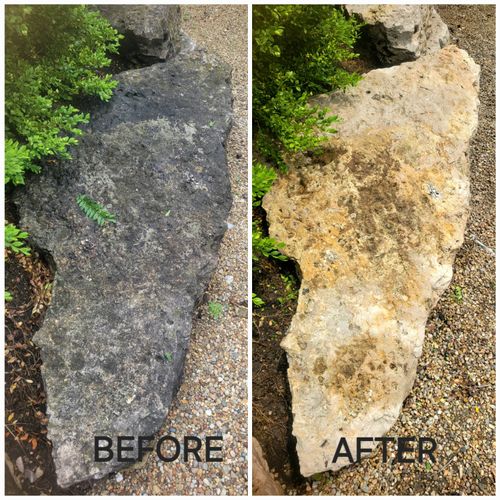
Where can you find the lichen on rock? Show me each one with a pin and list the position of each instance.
(115, 336)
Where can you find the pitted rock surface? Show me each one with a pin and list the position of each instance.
(374, 225)
(116, 333)
(402, 33)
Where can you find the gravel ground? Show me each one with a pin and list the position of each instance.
(213, 398)
(453, 399)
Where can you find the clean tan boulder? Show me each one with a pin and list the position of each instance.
(374, 225)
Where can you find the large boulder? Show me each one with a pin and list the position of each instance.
(374, 225)
(151, 32)
(402, 32)
(115, 336)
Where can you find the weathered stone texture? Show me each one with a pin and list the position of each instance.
(116, 333)
(263, 482)
(374, 225)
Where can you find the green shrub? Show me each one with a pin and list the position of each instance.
(297, 51)
(264, 245)
(53, 53)
(17, 161)
(14, 240)
(262, 180)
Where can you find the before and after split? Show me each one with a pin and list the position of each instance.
(250, 249)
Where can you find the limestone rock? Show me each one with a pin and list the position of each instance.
(115, 336)
(263, 483)
(374, 225)
(152, 32)
(402, 32)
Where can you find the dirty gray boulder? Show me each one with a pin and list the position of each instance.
(402, 33)
(115, 336)
(152, 32)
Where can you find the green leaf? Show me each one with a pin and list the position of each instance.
(14, 240)
(257, 301)
(215, 309)
(94, 210)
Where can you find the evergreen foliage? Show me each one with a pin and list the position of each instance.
(297, 52)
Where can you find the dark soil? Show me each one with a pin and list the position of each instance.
(271, 405)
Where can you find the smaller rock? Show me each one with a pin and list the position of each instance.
(152, 32)
(402, 33)
(119, 477)
(38, 473)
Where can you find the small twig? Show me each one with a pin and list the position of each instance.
(474, 238)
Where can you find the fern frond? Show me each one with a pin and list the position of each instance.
(94, 210)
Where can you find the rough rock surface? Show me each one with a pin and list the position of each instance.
(152, 32)
(115, 336)
(374, 226)
(263, 483)
(402, 32)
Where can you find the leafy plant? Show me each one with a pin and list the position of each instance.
(7, 296)
(262, 180)
(14, 240)
(458, 296)
(53, 53)
(297, 52)
(257, 301)
(264, 245)
(168, 356)
(94, 210)
(17, 161)
(291, 287)
(215, 309)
